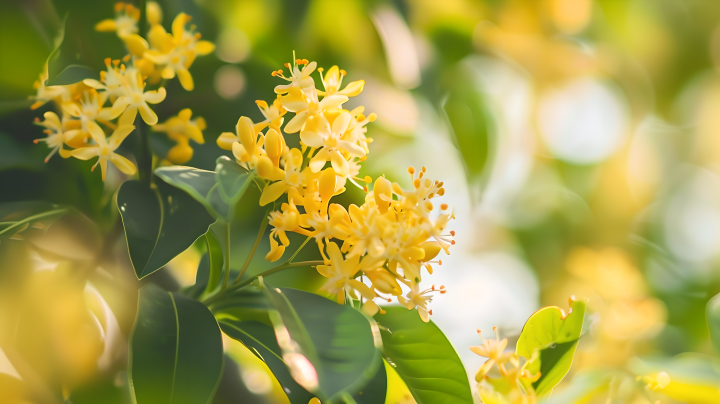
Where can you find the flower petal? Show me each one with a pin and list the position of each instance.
(123, 164)
(318, 161)
(333, 101)
(85, 153)
(297, 122)
(272, 192)
(154, 97)
(147, 114)
(341, 123)
(186, 80)
(339, 164)
(353, 89)
(311, 138)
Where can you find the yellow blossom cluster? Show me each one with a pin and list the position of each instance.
(374, 251)
(91, 109)
(512, 382)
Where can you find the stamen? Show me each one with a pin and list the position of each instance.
(444, 206)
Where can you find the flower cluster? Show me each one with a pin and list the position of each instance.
(388, 240)
(513, 382)
(91, 109)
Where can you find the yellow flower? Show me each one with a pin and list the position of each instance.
(416, 298)
(111, 80)
(307, 107)
(282, 222)
(299, 79)
(49, 93)
(273, 113)
(329, 139)
(182, 126)
(125, 22)
(290, 178)
(60, 133)
(125, 25)
(176, 52)
(246, 145)
(104, 149)
(136, 98)
(90, 108)
(493, 349)
(333, 81)
(341, 275)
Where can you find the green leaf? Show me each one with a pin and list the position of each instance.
(176, 353)
(16, 218)
(712, 314)
(471, 123)
(554, 335)
(215, 262)
(64, 65)
(260, 338)
(232, 180)
(200, 184)
(160, 222)
(424, 358)
(329, 348)
(375, 390)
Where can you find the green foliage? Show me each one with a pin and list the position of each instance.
(712, 313)
(63, 63)
(18, 217)
(471, 123)
(337, 341)
(260, 339)
(424, 358)
(215, 262)
(217, 191)
(175, 350)
(160, 222)
(553, 337)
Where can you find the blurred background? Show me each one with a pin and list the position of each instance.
(578, 141)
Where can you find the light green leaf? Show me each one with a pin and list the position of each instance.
(471, 123)
(232, 180)
(554, 335)
(424, 358)
(712, 314)
(160, 222)
(200, 184)
(329, 348)
(176, 353)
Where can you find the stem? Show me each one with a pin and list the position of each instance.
(269, 272)
(226, 276)
(261, 232)
(299, 248)
(145, 161)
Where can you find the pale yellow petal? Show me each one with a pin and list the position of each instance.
(204, 47)
(123, 164)
(147, 114)
(186, 80)
(272, 192)
(106, 26)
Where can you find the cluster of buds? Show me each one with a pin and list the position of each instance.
(388, 240)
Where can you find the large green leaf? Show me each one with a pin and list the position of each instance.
(712, 313)
(424, 358)
(260, 338)
(554, 335)
(160, 222)
(200, 184)
(232, 180)
(329, 348)
(64, 62)
(176, 353)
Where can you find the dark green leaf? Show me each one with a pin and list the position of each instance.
(712, 313)
(260, 338)
(546, 328)
(200, 184)
(232, 179)
(330, 348)
(160, 223)
(424, 358)
(375, 390)
(64, 62)
(176, 353)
